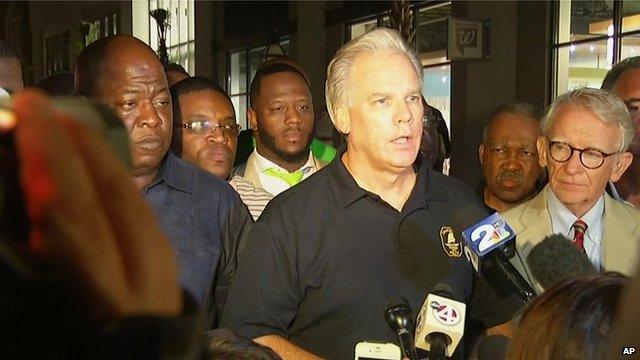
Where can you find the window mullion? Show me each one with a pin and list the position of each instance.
(617, 29)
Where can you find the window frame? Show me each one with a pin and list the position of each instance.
(617, 37)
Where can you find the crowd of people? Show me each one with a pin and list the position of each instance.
(292, 251)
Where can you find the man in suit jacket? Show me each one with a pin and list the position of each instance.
(281, 117)
(586, 134)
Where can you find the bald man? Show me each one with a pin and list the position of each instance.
(202, 216)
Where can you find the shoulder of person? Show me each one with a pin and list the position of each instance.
(302, 197)
(455, 189)
(204, 184)
(623, 206)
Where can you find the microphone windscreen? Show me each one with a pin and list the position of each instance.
(557, 258)
(493, 347)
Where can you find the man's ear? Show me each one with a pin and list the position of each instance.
(541, 145)
(623, 162)
(253, 119)
(342, 121)
(481, 154)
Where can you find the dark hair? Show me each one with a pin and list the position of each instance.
(570, 320)
(91, 59)
(186, 86)
(516, 108)
(617, 70)
(270, 69)
(223, 344)
(175, 67)
(434, 117)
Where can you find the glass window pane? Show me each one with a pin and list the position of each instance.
(240, 105)
(436, 88)
(255, 60)
(631, 16)
(583, 65)
(432, 33)
(584, 19)
(237, 75)
(285, 44)
(630, 46)
(362, 28)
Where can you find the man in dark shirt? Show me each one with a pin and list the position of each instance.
(202, 216)
(374, 224)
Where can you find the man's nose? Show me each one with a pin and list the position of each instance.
(293, 116)
(217, 136)
(573, 165)
(512, 162)
(148, 116)
(402, 113)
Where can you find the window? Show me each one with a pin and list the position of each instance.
(103, 27)
(589, 37)
(181, 34)
(431, 42)
(242, 66)
(62, 49)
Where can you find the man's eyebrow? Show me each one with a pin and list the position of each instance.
(632, 100)
(129, 91)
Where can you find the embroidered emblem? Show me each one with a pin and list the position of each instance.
(450, 244)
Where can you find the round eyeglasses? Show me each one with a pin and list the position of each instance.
(204, 126)
(590, 158)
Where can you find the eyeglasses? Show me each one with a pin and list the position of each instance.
(204, 126)
(590, 158)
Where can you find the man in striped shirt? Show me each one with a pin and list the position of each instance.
(206, 135)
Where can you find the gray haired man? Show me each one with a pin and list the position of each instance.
(586, 136)
(327, 254)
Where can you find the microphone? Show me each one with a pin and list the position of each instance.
(440, 323)
(400, 319)
(491, 242)
(557, 258)
(493, 347)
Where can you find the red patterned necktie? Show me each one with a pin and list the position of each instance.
(579, 228)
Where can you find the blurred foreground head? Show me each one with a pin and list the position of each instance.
(570, 320)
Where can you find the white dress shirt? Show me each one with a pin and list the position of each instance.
(562, 221)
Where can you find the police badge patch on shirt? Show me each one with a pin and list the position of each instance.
(450, 244)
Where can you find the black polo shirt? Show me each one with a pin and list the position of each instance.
(326, 255)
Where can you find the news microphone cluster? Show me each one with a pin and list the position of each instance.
(491, 242)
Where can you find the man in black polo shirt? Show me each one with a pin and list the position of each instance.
(327, 254)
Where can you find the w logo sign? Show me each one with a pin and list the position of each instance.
(445, 313)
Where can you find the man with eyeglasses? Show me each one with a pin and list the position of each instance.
(204, 219)
(509, 157)
(281, 117)
(624, 80)
(586, 134)
(206, 135)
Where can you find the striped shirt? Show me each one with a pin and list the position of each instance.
(255, 198)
